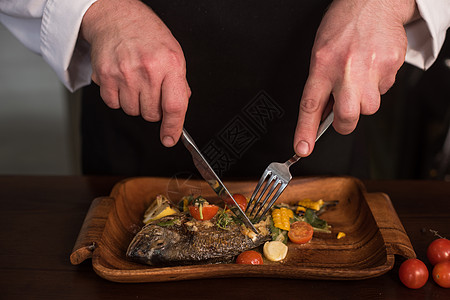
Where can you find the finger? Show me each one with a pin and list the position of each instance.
(174, 102)
(95, 78)
(389, 67)
(109, 91)
(150, 102)
(110, 96)
(189, 91)
(150, 98)
(386, 83)
(314, 100)
(129, 99)
(370, 102)
(347, 107)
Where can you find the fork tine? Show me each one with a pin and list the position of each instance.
(274, 199)
(257, 192)
(261, 181)
(276, 181)
(257, 201)
(280, 176)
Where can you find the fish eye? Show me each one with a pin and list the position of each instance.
(159, 243)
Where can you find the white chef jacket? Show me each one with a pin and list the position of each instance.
(50, 28)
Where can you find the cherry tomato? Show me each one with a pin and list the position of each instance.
(441, 274)
(300, 232)
(438, 251)
(240, 199)
(250, 257)
(413, 273)
(207, 213)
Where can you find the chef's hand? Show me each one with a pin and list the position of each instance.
(359, 47)
(138, 64)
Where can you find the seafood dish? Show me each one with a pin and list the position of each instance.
(196, 232)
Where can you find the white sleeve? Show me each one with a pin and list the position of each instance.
(427, 35)
(50, 28)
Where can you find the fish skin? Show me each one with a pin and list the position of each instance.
(177, 245)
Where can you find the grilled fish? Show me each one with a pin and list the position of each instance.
(180, 240)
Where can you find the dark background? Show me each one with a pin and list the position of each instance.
(237, 51)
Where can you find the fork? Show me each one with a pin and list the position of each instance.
(278, 177)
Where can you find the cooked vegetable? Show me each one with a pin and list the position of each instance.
(278, 234)
(203, 212)
(340, 235)
(224, 220)
(314, 220)
(275, 250)
(281, 218)
(312, 204)
(250, 257)
(241, 201)
(300, 233)
(184, 203)
(200, 209)
(159, 208)
(286, 222)
(300, 209)
(171, 222)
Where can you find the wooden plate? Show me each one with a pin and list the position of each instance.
(374, 233)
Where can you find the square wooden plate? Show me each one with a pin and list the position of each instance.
(374, 233)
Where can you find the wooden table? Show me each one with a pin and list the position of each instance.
(40, 217)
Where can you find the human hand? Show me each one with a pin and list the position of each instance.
(359, 47)
(138, 64)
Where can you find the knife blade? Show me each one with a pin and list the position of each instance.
(213, 180)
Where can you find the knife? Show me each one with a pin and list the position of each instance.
(213, 180)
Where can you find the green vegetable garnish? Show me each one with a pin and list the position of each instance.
(199, 200)
(200, 210)
(167, 223)
(277, 233)
(314, 220)
(171, 222)
(223, 220)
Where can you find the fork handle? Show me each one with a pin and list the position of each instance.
(322, 128)
(292, 160)
(325, 124)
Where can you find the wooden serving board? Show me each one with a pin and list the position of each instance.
(374, 233)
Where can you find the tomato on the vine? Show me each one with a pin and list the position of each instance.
(203, 212)
(300, 232)
(250, 257)
(441, 274)
(413, 273)
(438, 251)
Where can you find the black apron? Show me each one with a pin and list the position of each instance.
(247, 62)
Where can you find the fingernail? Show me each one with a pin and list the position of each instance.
(302, 148)
(168, 141)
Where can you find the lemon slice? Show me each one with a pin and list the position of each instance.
(159, 208)
(275, 250)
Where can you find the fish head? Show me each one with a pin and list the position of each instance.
(154, 244)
